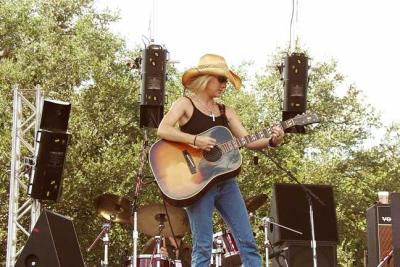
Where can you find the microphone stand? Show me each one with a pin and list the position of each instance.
(266, 221)
(139, 182)
(309, 196)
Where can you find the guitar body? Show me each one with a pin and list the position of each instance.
(184, 173)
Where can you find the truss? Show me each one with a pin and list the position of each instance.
(23, 210)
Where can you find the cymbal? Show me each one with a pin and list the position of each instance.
(114, 208)
(255, 202)
(150, 216)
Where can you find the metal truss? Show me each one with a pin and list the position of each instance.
(26, 110)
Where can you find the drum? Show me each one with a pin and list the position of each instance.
(177, 263)
(230, 252)
(148, 260)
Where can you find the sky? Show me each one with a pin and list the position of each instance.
(361, 35)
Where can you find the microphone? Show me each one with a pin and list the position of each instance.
(277, 253)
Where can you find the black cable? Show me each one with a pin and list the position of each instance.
(290, 29)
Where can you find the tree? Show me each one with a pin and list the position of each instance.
(65, 46)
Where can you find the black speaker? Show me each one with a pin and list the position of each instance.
(53, 242)
(153, 75)
(295, 76)
(55, 115)
(300, 254)
(379, 233)
(295, 82)
(152, 95)
(46, 175)
(151, 116)
(290, 208)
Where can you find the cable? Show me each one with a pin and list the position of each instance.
(290, 28)
(291, 34)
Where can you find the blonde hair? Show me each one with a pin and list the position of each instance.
(199, 83)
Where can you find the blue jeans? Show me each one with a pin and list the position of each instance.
(228, 200)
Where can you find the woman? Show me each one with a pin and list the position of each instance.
(194, 115)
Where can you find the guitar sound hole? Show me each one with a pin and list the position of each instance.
(213, 155)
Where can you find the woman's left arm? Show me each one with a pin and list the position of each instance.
(238, 130)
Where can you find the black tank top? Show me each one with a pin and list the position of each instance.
(200, 122)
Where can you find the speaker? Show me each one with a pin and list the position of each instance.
(295, 76)
(46, 175)
(290, 208)
(55, 115)
(152, 94)
(379, 233)
(295, 82)
(53, 242)
(300, 254)
(150, 116)
(153, 75)
(395, 214)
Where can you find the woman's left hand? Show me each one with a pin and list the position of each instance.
(277, 135)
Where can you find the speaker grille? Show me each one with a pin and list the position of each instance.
(379, 234)
(291, 209)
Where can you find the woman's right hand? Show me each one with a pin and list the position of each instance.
(205, 142)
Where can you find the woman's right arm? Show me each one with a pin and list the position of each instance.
(167, 128)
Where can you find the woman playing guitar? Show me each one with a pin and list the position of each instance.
(194, 115)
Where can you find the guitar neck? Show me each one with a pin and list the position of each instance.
(239, 142)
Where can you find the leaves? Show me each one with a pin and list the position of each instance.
(65, 47)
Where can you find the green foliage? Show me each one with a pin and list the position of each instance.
(65, 47)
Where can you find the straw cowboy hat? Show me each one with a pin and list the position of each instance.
(211, 64)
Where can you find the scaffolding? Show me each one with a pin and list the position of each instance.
(26, 111)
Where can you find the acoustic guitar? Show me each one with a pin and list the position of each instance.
(184, 172)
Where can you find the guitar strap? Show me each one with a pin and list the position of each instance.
(223, 115)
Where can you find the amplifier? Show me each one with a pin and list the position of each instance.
(379, 222)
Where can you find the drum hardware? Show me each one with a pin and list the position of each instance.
(230, 255)
(149, 217)
(147, 260)
(161, 219)
(177, 263)
(114, 209)
(110, 205)
(103, 235)
(217, 254)
(266, 222)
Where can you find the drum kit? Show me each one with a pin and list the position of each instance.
(163, 220)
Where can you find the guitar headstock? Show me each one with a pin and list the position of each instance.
(301, 120)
